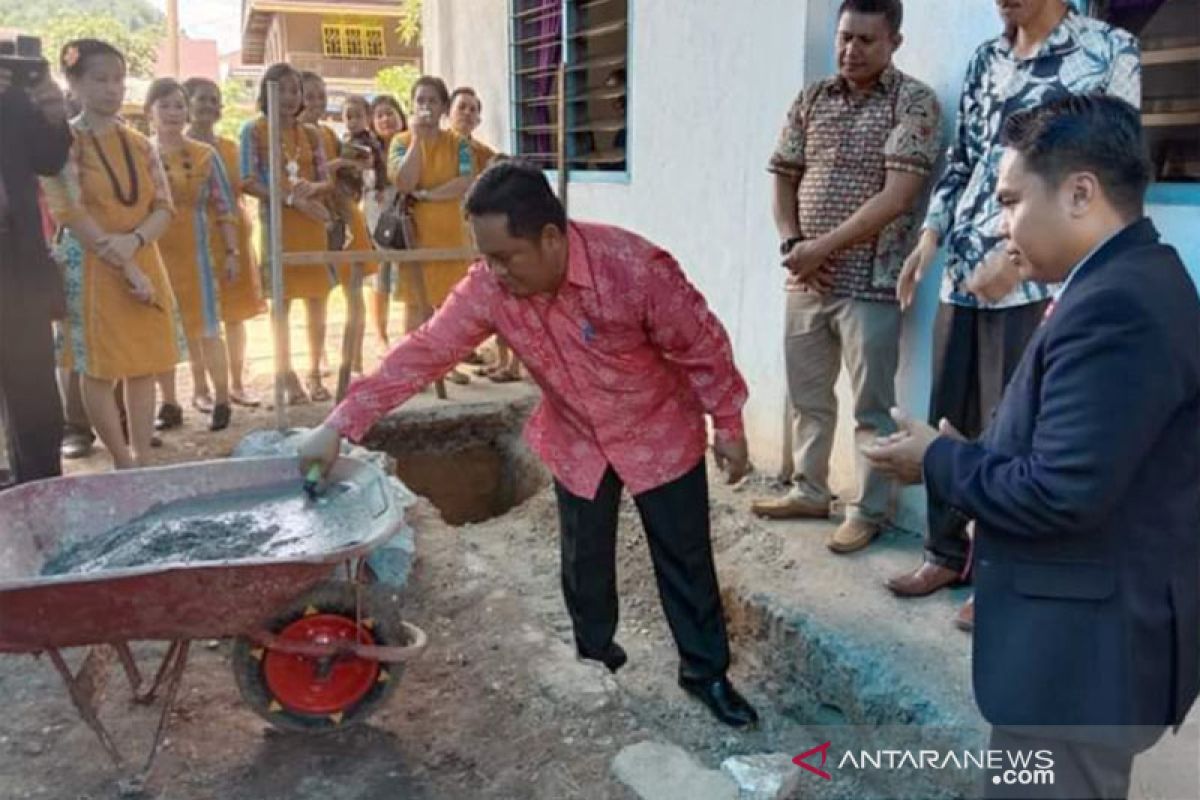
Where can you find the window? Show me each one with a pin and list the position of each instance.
(1169, 31)
(595, 36)
(352, 41)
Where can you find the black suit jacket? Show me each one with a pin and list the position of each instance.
(1085, 490)
(29, 146)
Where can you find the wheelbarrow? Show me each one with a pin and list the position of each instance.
(318, 644)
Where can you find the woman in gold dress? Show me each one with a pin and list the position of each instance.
(113, 203)
(435, 167)
(304, 214)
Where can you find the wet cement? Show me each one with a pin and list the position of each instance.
(278, 521)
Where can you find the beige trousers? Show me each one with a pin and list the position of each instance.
(822, 333)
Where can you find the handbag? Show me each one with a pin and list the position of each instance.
(392, 230)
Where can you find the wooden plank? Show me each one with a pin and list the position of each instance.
(1171, 119)
(365, 256)
(1173, 55)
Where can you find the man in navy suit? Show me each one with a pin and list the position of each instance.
(1085, 488)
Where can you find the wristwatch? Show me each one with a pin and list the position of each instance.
(786, 245)
(289, 200)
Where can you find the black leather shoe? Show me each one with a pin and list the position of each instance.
(221, 415)
(612, 658)
(170, 416)
(722, 700)
(77, 442)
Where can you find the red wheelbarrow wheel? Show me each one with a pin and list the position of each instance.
(299, 693)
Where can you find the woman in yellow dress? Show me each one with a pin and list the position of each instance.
(113, 203)
(348, 230)
(436, 168)
(241, 299)
(202, 195)
(304, 214)
(466, 113)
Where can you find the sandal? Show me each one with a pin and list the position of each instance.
(221, 415)
(202, 403)
(474, 359)
(293, 394)
(458, 378)
(244, 399)
(316, 392)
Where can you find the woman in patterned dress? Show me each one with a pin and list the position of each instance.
(195, 263)
(241, 300)
(113, 203)
(387, 120)
(349, 228)
(304, 214)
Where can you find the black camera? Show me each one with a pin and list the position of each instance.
(22, 56)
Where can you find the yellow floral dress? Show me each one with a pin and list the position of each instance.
(304, 157)
(115, 178)
(242, 299)
(195, 261)
(439, 225)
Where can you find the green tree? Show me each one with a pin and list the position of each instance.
(140, 47)
(397, 81)
(238, 103)
(409, 29)
(31, 16)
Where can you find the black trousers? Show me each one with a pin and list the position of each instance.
(30, 408)
(1080, 771)
(675, 517)
(975, 352)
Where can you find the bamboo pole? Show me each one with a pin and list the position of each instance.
(275, 251)
(366, 256)
(563, 167)
(352, 334)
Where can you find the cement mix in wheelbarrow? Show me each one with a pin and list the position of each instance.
(275, 522)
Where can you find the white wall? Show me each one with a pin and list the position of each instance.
(709, 85)
(708, 91)
(466, 43)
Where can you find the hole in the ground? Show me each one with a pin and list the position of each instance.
(468, 460)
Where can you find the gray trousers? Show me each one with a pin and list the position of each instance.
(822, 333)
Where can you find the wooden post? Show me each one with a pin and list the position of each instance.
(418, 300)
(564, 168)
(275, 251)
(172, 44)
(352, 335)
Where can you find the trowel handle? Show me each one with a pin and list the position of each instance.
(312, 479)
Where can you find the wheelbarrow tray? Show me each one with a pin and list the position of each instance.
(172, 601)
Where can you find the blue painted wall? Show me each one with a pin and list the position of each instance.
(939, 39)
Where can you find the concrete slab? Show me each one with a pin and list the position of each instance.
(656, 771)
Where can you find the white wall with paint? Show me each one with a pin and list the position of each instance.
(709, 83)
(707, 93)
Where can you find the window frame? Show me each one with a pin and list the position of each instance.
(363, 30)
(574, 175)
(1160, 192)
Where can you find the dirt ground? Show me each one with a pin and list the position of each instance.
(498, 706)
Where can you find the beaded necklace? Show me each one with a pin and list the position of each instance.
(127, 200)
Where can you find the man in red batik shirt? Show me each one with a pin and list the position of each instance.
(629, 359)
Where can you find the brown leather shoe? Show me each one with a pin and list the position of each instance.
(924, 580)
(852, 535)
(789, 507)
(964, 620)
